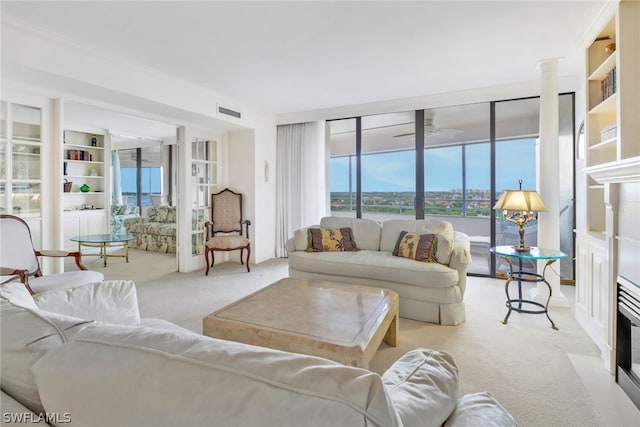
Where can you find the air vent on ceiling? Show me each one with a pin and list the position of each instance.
(229, 112)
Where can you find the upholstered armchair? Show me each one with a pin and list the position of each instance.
(226, 231)
(119, 213)
(19, 260)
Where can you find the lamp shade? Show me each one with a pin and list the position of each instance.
(520, 200)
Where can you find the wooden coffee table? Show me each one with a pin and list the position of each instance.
(345, 323)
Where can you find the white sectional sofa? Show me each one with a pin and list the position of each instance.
(429, 291)
(65, 359)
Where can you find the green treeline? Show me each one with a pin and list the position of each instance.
(436, 202)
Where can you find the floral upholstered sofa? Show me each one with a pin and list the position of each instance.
(118, 214)
(156, 231)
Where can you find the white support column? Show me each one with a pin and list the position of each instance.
(55, 174)
(548, 177)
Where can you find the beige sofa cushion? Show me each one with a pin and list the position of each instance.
(144, 376)
(392, 228)
(111, 301)
(375, 265)
(26, 336)
(480, 409)
(423, 385)
(366, 232)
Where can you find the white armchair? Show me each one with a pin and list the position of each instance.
(19, 259)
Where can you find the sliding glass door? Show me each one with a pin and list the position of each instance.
(342, 167)
(388, 166)
(140, 178)
(470, 155)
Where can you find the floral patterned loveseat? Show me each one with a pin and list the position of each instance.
(156, 231)
(118, 214)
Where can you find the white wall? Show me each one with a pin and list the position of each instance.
(247, 153)
(37, 63)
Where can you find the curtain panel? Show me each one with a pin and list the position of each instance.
(116, 191)
(300, 179)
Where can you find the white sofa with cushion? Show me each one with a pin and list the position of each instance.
(428, 291)
(65, 359)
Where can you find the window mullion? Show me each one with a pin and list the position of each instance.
(419, 199)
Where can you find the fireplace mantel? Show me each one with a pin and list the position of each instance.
(616, 172)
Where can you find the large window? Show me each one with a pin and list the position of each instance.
(342, 167)
(140, 173)
(470, 155)
(388, 166)
(150, 183)
(343, 184)
(443, 192)
(388, 183)
(477, 170)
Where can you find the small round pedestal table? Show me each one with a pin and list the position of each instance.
(533, 253)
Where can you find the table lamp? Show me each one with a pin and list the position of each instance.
(520, 207)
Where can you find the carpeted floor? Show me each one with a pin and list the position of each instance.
(525, 364)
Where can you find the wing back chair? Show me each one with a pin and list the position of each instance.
(226, 231)
(19, 258)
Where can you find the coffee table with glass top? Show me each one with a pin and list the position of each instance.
(345, 323)
(103, 241)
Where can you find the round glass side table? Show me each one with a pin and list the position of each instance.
(533, 253)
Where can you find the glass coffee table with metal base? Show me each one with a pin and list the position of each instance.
(103, 241)
(532, 253)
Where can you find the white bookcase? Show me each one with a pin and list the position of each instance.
(613, 157)
(86, 194)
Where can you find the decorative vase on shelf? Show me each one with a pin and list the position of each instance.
(84, 188)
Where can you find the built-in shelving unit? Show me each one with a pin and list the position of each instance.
(83, 170)
(602, 111)
(613, 84)
(84, 164)
(612, 158)
(20, 161)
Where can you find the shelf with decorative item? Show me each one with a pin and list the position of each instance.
(608, 143)
(82, 193)
(84, 146)
(606, 106)
(84, 177)
(604, 68)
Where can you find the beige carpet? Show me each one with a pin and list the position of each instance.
(525, 364)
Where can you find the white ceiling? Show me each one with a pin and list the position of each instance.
(301, 55)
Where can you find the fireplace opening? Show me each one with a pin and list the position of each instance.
(628, 339)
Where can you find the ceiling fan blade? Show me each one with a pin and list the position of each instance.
(433, 132)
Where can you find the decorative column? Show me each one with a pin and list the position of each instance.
(548, 178)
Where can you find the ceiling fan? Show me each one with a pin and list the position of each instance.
(431, 129)
(134, 158)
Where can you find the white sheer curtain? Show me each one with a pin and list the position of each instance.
(116, 191)
(300, 179)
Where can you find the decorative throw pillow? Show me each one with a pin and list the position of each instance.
(331, 240)
(421, 247)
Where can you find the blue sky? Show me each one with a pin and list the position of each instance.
(128, 176)
(395, 171)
